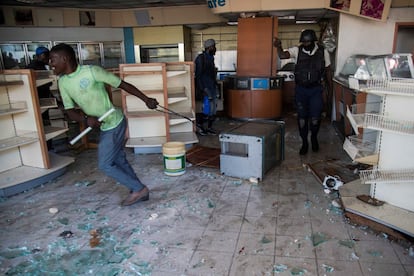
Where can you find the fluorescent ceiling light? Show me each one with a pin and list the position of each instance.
(305, 21)
(292, 17)
(31, 1)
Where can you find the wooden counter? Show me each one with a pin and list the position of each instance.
(254, 104)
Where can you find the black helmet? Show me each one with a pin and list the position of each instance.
(308, 36)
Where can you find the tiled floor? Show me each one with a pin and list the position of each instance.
(199, 223)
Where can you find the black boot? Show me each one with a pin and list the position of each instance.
(303, 132)
(304, 148)
(210, 129)
(201, 125)
(314, 126)
(315, 144)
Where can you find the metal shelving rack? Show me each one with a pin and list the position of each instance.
(392, 177)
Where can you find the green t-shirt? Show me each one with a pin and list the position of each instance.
(86, 88)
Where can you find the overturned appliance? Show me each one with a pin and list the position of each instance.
(252, 149)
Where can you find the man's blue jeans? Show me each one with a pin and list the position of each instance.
(112, 159)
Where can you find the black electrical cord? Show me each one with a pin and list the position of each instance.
(169, 111)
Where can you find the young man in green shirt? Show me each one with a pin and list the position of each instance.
(83, 86)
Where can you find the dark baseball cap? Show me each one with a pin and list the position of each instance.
(40, 50)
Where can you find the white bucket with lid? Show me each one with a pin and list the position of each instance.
(174, 158)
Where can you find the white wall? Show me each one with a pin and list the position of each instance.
(61, 34)
(363, 36)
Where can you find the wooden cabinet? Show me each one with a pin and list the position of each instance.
(172, 84)
(256, 55)
(254, 97)
(24, 158)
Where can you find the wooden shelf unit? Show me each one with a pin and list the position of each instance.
(23, 136)
(172, 85)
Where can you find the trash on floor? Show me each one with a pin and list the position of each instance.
(297, 271)
(66, 234)
(370, 200)
(84, 183)
(153, 216)
(318, 238)
(95, 239)
(331, 167)
(12, 253)
(64, 221)
(279, 268)
(328, 268)
(347, 243)
(53, 210)
(332, 182)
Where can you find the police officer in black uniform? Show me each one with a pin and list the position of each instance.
(311, 69)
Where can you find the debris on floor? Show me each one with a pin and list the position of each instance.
(318, 238)
(95, 239)
(328, 268)
(53, 210)
(370, 200)
(279, 268)
(66, 234)
(200, 223)
(84, 183)
(334, 167)
(347, 243)
(332, 182)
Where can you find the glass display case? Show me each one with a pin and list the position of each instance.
(353, 65)
(108, 54)
(365, 67)
(31, 49)
(159, 53)
(113, 54)
(390, 66)
(14, 55)
(90, 54)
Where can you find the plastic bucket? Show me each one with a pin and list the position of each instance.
(174, 158)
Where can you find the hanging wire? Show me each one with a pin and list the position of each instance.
(169, 111)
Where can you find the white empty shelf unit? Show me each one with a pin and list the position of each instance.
(24, 158)
(392, 156)
(172, 84)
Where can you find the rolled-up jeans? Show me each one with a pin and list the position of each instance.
(112, 158)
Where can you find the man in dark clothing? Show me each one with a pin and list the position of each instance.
(205, 78)
(312, 67)
(41, 62)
